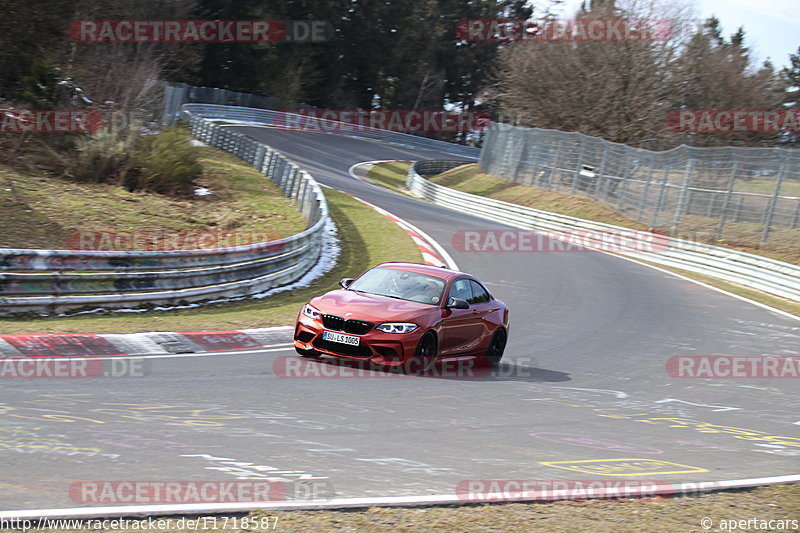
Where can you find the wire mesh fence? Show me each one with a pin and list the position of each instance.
(736, 195)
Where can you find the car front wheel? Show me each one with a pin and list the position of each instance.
(498, 345)
(425, 354)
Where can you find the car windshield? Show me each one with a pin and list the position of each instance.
(401, 284)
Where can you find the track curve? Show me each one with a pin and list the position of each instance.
(585, 381)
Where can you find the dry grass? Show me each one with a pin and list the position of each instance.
(467, 178)
(41, 212)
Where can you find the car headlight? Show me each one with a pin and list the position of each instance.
(397, 327)
(310, 312)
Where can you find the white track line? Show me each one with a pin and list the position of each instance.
(248, 351)
(707, 286)
(407, 226)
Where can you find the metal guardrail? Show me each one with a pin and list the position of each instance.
(768, 275)
(177, 94)
(270, 117)
(49, 282)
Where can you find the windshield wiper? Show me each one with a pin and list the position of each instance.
(381, 294)
(392, 296)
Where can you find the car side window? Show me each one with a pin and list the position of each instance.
(461, 289)
(479, 294)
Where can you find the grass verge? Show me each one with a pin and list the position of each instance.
(466, 178)
(391, 175)
(41, 212)
(469, 179)
(366, 238)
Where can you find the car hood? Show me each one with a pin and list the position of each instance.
(370, 307)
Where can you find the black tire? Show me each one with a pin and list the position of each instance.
(496, 348)
(424, 355)
(312, 354)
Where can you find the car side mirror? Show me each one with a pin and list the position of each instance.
(456, 303)
(345, 282)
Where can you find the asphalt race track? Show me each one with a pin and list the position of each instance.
(583, 385)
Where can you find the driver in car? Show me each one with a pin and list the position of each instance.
(416, 288)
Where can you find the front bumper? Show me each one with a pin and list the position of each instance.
(387, 349)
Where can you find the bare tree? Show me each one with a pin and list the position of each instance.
(616, 89)
(125, 74)
(716, 73)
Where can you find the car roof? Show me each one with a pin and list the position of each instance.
(431, 270)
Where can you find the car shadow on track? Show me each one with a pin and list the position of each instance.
(468, 369)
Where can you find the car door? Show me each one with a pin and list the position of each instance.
(481, 305)
(460, 327)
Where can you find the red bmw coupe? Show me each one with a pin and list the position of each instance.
(404, 314)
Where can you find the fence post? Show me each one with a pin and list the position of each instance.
(682, 195)
(773, 201)
(727, 201)
(283, 171)
(258, 158)
(738, 208)
(626, 176)
(301, 191)
(555, 168)
(271, 164)
(292, 177)
(523, 163)
(599, 175)
(487, 150)
(643, 202)
(711, 203)
(578, 166)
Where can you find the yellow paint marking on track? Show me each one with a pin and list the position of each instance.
(625, 467)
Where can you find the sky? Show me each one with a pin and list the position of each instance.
(772, 27)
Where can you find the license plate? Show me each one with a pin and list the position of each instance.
(339, 337)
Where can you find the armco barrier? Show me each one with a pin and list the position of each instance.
(768, 275)
(56, 281)
(269, 117)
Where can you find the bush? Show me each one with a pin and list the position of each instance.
(167, 163)
(105, 157)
